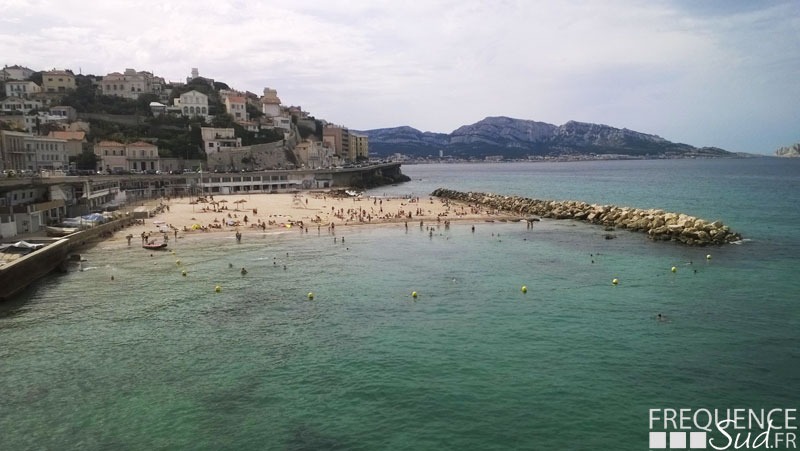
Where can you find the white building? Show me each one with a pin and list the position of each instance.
(12, 104)
(15, 72)
(270, 103)
(218, 139)
(22, 89)
(193, 103)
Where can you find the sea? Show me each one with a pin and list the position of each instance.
(322, 346)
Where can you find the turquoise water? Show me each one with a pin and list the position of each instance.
(155, 360)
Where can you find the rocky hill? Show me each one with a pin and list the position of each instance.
(789, 151)
(517, 138)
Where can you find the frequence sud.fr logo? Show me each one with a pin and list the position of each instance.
(722, 429)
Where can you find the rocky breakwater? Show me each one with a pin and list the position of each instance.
(658, 224)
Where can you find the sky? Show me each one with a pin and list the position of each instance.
(723, 73)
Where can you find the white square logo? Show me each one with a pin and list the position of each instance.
(677, 440)
(658, 440)
(697, 440)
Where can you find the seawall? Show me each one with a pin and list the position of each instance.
(658, 224)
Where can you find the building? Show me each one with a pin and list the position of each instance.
(193, 103)
(196, 76)
(16, 104)
(111, 156)
(26, 152)
(359, 147)
(236, 106)
(314, 154)
(75, 141)
(131, 84)
(22, 89)
(67, 112)
(58, 81)
(219, 139)
(270, 103)
(138, 156)
(15, 72)
(33, 122)
(338, 138)
(143, 156)
(158, 108)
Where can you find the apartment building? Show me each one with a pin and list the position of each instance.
(58, 81)
(131, 84)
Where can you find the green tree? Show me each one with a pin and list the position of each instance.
(86, 160)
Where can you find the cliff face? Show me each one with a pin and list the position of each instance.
(789, 151)
(503, 132)
(517, 138)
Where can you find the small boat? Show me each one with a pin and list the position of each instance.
(155, 245)
(60, 231)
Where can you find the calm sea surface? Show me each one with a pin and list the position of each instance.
(157, 360)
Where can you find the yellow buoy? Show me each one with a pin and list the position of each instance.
(217, 288)
(414, 294)
(708, 257)
(614, 281)
(524, 289)
(674, 269)
(183, 273)
(310, 296)
(178, 262)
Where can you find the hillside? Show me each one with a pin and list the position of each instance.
(517, 138)
(789, 151)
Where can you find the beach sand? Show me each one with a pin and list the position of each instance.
(193, 217)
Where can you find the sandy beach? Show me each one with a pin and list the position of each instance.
(259, 213)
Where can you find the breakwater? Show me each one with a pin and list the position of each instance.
(658, 224)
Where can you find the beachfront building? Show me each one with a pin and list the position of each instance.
(193, 103)
(359, 147)
(111, 156)
(270, 103)
(143, 157)
(219, 139)
(15, 72)
(58, 81)
(27, 152)
(22, 89)
(138, 156)
(131, 84)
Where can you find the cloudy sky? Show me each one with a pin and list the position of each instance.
(720, 73)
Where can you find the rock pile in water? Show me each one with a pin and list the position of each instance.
(658, 224)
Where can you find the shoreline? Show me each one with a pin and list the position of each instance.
(192, 217)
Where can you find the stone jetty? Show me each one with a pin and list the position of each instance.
(658, 224)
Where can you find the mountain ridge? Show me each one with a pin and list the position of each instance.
(520, 138)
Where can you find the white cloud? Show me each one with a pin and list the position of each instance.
(701, 76)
